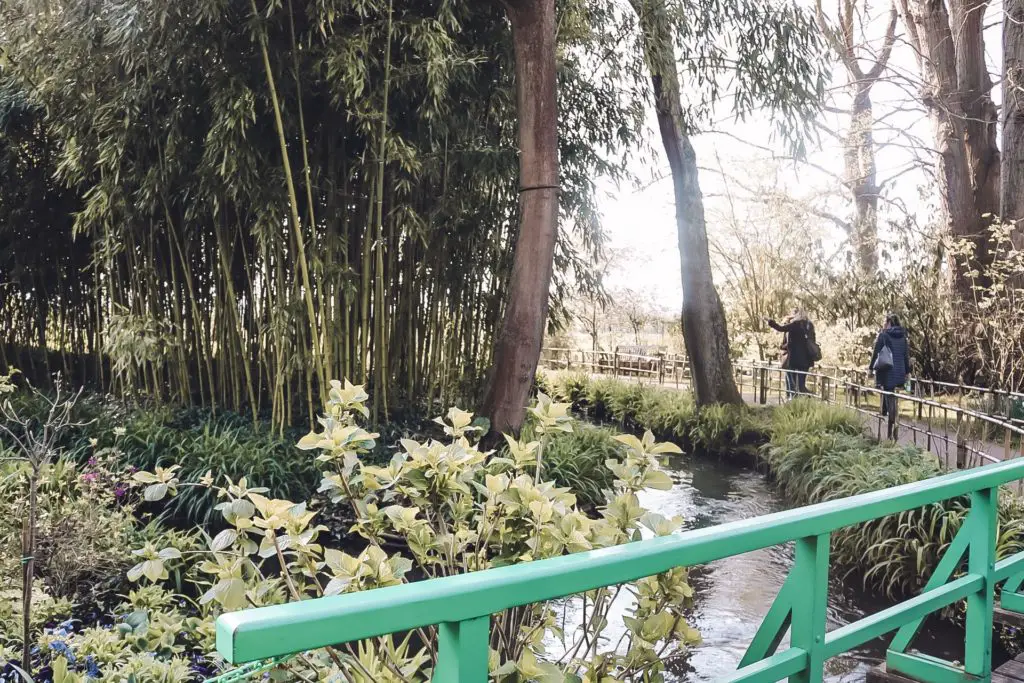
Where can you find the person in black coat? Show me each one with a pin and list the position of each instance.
(796, 354)
(895, 337)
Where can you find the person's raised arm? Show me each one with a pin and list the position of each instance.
(788, 327)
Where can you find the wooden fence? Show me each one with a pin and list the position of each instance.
(963, 425)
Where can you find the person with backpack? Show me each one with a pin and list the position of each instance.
(799, 350)
(890, 363)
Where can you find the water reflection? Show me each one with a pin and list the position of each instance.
(734, 594)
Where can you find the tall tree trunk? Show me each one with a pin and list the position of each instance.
(981, 121)
(517, 349)
(952, 61)
(1011, 201)
(704, 329)
(859, 143)
(861, 177)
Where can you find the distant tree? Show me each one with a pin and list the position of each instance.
(766, 249)
(776, 64)
(859, 141)
(636, 308)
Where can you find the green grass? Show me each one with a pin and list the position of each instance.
(225, 444)
(577, 461)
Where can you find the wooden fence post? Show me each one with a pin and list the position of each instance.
(764, 386)
(615, 366)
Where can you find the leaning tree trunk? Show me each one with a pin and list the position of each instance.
(1011, 201)
(517, 349)
(703, 317)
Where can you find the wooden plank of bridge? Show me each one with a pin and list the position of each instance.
(1007, 618)
(1010, 672)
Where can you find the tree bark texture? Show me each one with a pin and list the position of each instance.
(1011, 201)
(957, 92)
(517, 349)
(862, 179)
(703, 317)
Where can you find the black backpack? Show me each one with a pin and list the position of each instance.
(812, 345)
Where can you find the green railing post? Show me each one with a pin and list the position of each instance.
(981, 560)
(810, 603)
(462, 651)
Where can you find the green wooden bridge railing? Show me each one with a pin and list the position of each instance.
(461, 606)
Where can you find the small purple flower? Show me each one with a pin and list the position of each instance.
(92, 461)
(120, 491)
(132, 469)
(89, 477)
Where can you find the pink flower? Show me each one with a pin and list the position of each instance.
(89, 477)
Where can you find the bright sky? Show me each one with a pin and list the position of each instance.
(643, 221)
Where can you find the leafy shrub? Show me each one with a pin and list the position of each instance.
(572, 387)
(149, 640)
(807, 416)
(542, 383)
(668, 413)
(81, 534)
(719, 427)
(599, 393)
(86, 525)
(671, 413)
(452, 506)
(498, 507)
(626, 404)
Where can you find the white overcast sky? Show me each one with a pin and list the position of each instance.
(643, 221)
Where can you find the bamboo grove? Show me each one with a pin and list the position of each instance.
(229, 202)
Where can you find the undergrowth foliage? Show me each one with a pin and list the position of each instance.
(815, 452)
(449, 507)
(819, 452)
(668, 413)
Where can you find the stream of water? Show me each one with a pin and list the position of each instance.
(733, 595)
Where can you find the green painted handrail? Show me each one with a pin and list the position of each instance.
(461, 605)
